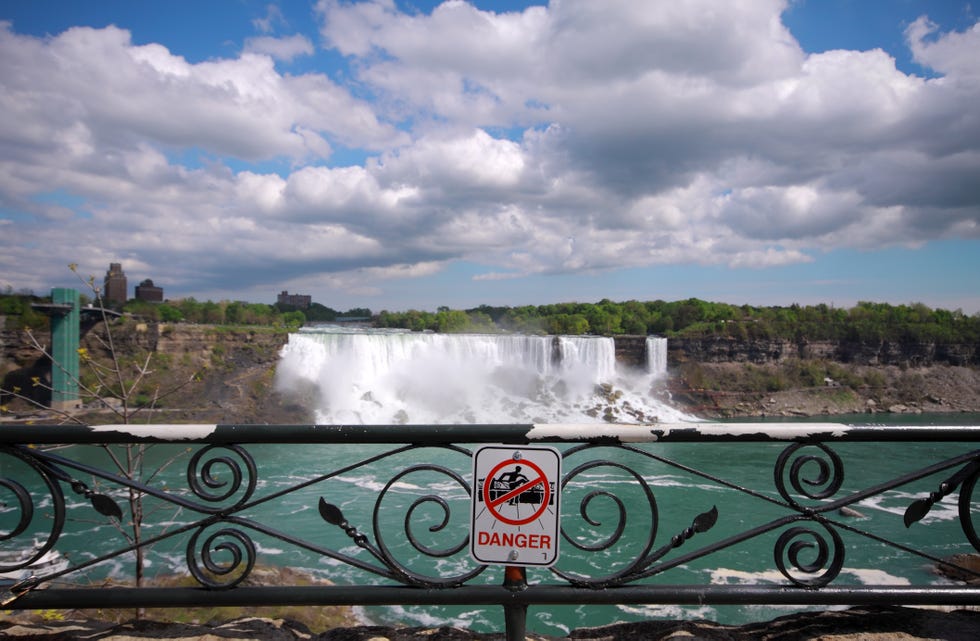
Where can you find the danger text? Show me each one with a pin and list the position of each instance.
(514, 540)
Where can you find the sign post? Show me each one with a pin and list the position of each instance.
(515, 505)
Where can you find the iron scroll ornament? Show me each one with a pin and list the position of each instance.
(22, 500)
(639, 566)
(794, 542)
(827, 481)
(382, 552)
(966, 505)
(817, 476)
(222, 480)
(51, 476)
(204, 473)
(443, 506)
(213, 574)
(827, 558)
(636, 568)
(966, 480)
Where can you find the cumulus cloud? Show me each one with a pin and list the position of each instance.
(273, 18)
(577, 137)
(653, 100)
(951, 53)
(285, 48)
(95, 89)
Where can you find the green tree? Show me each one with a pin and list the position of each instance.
(574, 324)
(634, 317)
(480, 322)
(452, 321)
(235, 313)
(169, 313)
(212, 313)
(604, 319)
(293, 319)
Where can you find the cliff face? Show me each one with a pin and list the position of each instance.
(198, 344)
(204, 345)
(197, 373)
(631, 350)
(15, 349)
(233, 372)
(718, 377)
(730, 350)
(227, 375)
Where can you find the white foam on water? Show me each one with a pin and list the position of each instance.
(384, 377)
(269, 551)
(367, 482)
(874, 576)
(897, 502)
(866, 576)
(548, 619)
(668, 612)
(418, 616)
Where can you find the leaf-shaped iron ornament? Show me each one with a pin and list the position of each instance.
(701, 523)
(105, 506)
(920, 507)
(331, 513)
(705, 521)
(917, 511)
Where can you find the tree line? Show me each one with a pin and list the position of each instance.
(17, 307)
(690, 318)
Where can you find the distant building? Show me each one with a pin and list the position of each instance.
(149, 292)
(295, 300)
(114, 287)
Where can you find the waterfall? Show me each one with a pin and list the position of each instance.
(383, 376)
(657, 355)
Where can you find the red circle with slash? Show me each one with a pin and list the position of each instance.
(492, 504)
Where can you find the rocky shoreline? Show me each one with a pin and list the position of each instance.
(936, 389)
(880, 623)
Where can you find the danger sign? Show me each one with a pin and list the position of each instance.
(515, 505)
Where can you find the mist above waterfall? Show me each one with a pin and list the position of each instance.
(383, 376)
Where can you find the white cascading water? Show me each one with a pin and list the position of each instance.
(657, 356)
(385, 377)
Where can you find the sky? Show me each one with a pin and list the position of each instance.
(410, 154)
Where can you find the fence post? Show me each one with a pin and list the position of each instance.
(515, 614)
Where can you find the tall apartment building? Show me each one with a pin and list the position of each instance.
(114, 287)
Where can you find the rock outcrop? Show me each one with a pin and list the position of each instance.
(856, 624)
(743, 389)
(721, 349)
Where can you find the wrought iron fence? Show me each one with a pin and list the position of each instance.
(627, 523)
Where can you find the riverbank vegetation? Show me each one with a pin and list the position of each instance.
(20, 315)
(694, 318)
(690, 318)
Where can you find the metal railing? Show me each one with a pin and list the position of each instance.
(409, 542)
